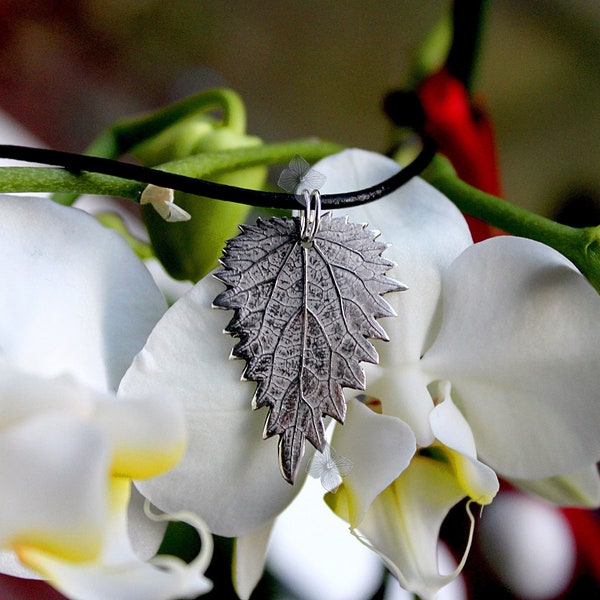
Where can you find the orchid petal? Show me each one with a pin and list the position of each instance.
(119, 573)
(138, 580)
(580, 488)
(68, 460)
(519, 342)
(449, 426)
(229, 474)
(11, 565)
(250, 553)
(67, 303)
(402, 391)
(23, 396)
(426, 232)
(145, 535)
(403, 524)
(56, 467)
(147, 436)
(63, 514)
(455, 590)
(380, 448)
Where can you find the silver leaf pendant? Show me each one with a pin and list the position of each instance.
(306, 296)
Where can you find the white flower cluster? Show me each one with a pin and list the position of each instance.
(491, 370)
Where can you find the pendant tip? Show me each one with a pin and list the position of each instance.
(291, 452)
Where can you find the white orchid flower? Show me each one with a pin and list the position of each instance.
(491, 368)
(490, 361)
(75, 307)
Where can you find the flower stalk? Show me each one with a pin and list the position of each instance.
(580, 245)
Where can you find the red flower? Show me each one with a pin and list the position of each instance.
(463, 134)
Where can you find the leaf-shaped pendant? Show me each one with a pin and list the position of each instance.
(303, 311)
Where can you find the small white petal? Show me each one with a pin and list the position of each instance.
(161, 200)
(452, 430)
(156, 195)
(380, 448)
(177, 214)
(331, 480)
(329, 468)
(249, 558)
(343, 465)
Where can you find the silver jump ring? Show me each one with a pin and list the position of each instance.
(311, 219)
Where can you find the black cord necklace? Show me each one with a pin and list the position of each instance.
(76, 163)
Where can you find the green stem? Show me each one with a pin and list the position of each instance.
(234, 115)
(56, 180)
(125, 134)
(580, 245)
(211, 163)
(40, 179)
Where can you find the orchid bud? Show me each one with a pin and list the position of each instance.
(190, 249)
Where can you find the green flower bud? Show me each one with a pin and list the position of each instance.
(191, 249)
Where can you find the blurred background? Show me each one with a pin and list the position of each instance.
(70, 67)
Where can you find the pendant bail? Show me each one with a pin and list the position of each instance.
(310, 220)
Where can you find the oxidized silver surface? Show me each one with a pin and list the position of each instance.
(303, 311)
